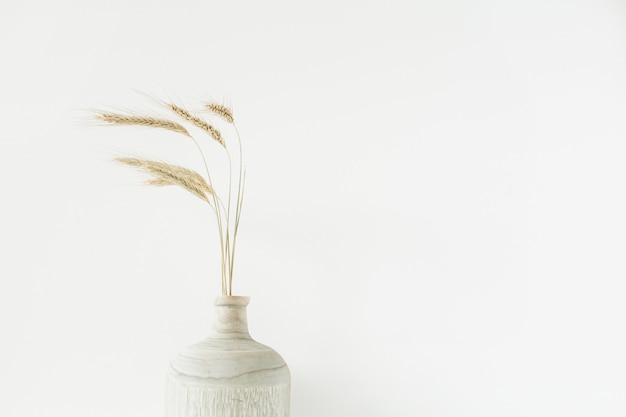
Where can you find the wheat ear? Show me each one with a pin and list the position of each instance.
(167, 174)
(198, 122)
(221, 111)
(132, 120)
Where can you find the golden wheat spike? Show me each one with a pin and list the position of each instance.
(132, 120)
(221, 111)
(198, 122)
(167, 174)
(168, 170)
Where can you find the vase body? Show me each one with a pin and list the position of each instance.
(228, 374)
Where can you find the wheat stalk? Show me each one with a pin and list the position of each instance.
(163, 174)
(220, 110)
(167, 174)
(224, 237)
(132, 120)
(198, 122)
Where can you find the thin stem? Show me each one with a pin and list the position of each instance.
(237, 216)
(218, 215)
(238, 206)
(228, 250)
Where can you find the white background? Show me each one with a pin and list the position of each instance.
(435, 212)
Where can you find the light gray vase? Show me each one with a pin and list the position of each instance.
(228, 374)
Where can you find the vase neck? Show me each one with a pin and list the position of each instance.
(230, 319)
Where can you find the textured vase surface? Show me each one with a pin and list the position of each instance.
(228, 374)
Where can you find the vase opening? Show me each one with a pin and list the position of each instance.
(230, 317)
(231, 300)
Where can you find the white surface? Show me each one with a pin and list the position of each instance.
(434, 219)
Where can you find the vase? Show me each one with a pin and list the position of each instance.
(228, 374)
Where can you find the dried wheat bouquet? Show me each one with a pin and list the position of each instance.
(227, 211)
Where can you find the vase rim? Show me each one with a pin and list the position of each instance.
(231, 300)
